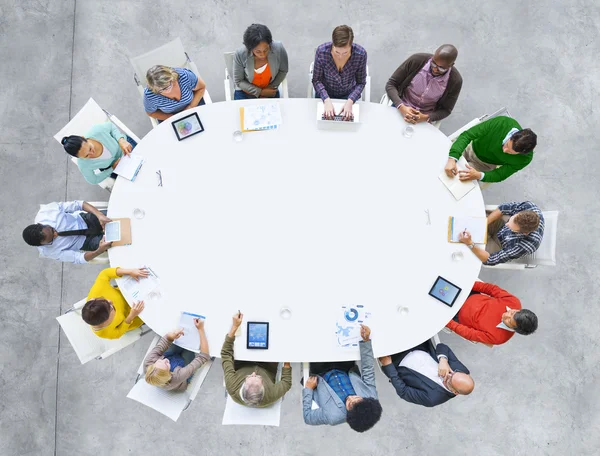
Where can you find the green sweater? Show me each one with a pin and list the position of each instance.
(108, 135)
(487, 140)
(234, 379)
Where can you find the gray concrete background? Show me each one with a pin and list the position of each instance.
(534, 396)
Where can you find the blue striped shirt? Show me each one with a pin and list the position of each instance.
(516, 245)
(155, 102)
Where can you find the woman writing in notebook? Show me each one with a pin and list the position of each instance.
(260, 66)
(99, 152)
(171, 367)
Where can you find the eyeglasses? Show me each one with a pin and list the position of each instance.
(439, 68)
(166, 89)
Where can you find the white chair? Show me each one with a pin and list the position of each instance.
(500, 112)
(169, 403)
(230, 84)
(92, 114)
(434, 340)
(310, 92)
(545, 255)
(242, 415)
(86, 344)
(171, 54)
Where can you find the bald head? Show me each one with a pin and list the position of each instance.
(446, 54)
(462, 383)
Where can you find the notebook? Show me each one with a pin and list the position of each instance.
(260, 117)
(190, 339)
(457, 187)
(129, 166)
(476, 226)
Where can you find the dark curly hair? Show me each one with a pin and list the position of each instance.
(96, 311)
(524, 141)
(364, 414)
(256, 34)
(33, 234)
(526, 321)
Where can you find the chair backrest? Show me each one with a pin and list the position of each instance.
(385, 100)
(456, 134)
(169, 403)
(265, 416)
(546, 253)
(90, 114)
(500, 112)
(229, 68)
(171, 54)
(86, 344)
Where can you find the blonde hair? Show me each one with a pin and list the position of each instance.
(157, 377)
(159, 77)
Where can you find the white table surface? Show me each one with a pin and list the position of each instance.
(297, 217)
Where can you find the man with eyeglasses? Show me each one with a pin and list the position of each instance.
(427, 375)
(425, 87)
(250, 383)
(70, 231)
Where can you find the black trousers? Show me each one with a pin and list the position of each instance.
(92, 240)
(322, 368)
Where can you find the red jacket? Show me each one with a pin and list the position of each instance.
(481, 313)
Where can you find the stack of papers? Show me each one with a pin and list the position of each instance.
(190, 339)
(129, 166)
(348, 325)
(261, 117)
(457, 187)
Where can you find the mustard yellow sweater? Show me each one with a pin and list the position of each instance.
(103, 289)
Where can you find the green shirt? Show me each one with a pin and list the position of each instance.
(487, 140)
(234, 379)
(108, 135)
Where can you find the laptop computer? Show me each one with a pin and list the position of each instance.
(338, 123)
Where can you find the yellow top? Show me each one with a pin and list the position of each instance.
(103, 289)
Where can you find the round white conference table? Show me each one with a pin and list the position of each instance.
(297, 218)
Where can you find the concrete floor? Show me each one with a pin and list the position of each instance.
(534, 396)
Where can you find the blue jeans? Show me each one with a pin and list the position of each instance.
(241, 95)
(187, 355)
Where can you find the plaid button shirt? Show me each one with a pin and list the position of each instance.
(516, 245)
(348, 83)
(340, 383)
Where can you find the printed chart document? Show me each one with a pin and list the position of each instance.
(138, 290)
(190, 339)
(477, 226)
(260, 117)
(129, 166)
(112, 231)
(457, 187)
(348, 325)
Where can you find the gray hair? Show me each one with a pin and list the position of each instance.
(252, 395)
(159, 77)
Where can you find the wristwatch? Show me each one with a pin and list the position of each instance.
(471, 245)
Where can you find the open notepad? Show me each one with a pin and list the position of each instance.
(129, 166)
(476, 226)
(457, 187)
(190, 339)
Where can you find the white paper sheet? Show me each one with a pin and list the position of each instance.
(190, 339)
(262, 117)
(476, 226)
(138, 290)
(348, 324)
(129, 165)
(457, 187)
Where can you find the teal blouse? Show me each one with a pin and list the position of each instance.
(108, 135)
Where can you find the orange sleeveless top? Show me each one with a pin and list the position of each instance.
(262, 80)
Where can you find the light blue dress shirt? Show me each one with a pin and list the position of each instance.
(63, 217)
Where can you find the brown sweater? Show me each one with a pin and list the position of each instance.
(405, 73)
(180, 375)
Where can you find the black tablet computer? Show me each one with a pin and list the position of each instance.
(187, 126)
(258, 335)
(445, 291)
